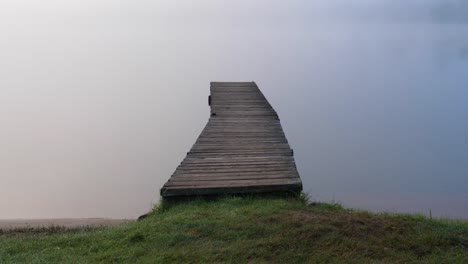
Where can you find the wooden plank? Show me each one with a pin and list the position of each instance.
(210, 169)
(237, 161)
(237, 183)
(233, 174)
(193, 191)
(214, 83)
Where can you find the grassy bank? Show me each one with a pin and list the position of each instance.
(249, 229)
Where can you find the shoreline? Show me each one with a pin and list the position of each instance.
(11, 224)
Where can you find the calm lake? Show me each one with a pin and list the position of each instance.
(101, 100)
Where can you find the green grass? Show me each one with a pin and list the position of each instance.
(248, 229)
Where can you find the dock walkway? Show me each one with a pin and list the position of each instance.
(242, 149)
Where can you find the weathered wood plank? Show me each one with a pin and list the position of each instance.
(232, 174)
(232, 183)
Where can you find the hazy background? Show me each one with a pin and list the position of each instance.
(101, 100)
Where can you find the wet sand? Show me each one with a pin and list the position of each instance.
(67, 223)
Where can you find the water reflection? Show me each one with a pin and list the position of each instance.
(97, 111)
(454, 11)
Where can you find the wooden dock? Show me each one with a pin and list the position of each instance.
(242, 149)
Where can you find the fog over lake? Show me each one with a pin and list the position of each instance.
(100, 100)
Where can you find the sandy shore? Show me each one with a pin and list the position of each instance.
(68, 223)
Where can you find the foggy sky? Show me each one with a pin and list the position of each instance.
(101, 100)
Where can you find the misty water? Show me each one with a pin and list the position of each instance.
(101, 100)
